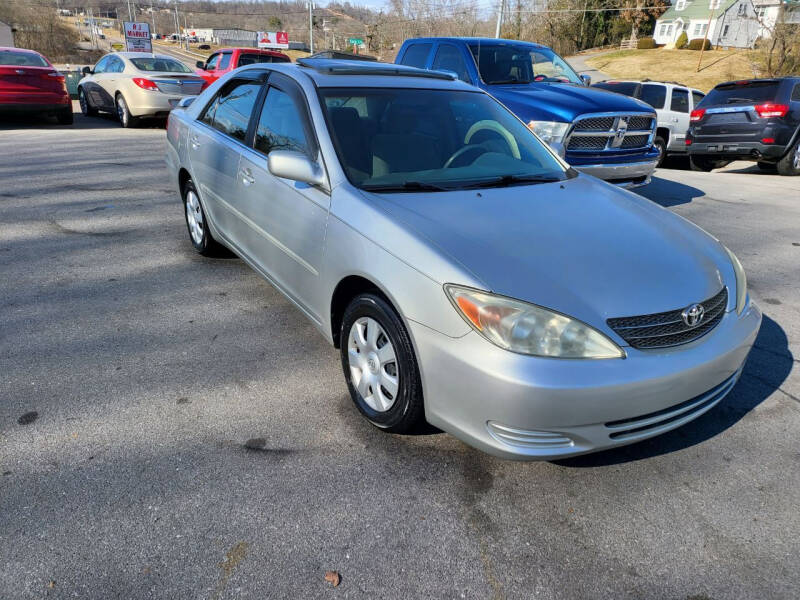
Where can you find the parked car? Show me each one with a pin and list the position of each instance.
(605, 135)
(135, 85)
(30, 84)
(204, 47)
(751, 119)
(228, 59)
(673, 103)
(467, 274)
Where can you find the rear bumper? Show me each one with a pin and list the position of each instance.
(626, 175)
(30, 108)
(737, 150)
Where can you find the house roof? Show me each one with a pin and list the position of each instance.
(695, 9)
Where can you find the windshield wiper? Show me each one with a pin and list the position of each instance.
(405, 186)
(506, 180)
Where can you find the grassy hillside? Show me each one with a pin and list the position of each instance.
(676, 65)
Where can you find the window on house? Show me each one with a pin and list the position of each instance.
(680, 5)
(725, 30)
(713, 5)
(669, 31)
(742, 9)
(703, 29)
(697, 29)
(663, 29)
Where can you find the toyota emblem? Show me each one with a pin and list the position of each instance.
(693, 315)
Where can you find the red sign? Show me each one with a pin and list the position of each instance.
(273, 39)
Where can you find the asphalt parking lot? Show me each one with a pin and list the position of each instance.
(193, 436)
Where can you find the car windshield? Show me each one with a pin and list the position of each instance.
(510, 63)
(742, 92)
(21, 59)
(412, 139)
(160, 64)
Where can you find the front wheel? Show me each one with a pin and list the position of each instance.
(196, 222)
(379, 365)
(790, 164)
(126, 119)
(661, 145)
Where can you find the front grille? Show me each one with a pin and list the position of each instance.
(610, 132)
(661, 330)
(671, 417)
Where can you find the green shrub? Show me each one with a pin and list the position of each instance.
(698, 43)
(682, 41)
(646, 44)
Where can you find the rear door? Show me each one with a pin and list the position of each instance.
(95, 89)
(730, 114)
(215, 143)
(282, 222)
(678, 115)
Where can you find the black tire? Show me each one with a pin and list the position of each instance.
(126, 119)
(702, 163)
(407, 408)
(86, 106)
(767, 166)
(205, 244)
(65, 117)
(790, 163)
(660, 145)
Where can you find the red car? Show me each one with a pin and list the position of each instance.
(228, 59)
(30, 84)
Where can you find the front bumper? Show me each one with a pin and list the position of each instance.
(626, 175)
(530, 408)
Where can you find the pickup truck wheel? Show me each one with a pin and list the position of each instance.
(379, 364)
(660, 145)
(701, 163)
(790, 163)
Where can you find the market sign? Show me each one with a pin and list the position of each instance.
(273, 39)
(137, 37)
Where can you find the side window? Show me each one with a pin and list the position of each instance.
(225, 60)
(212, 62)
(449, 58)
(654, 95)
(416, 55)
(116, 65)
(102, 66)
(280, 125)
(697, 97)
(680, 100)
(231, 110)
(796, 92)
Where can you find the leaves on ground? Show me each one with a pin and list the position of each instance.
(333, 577)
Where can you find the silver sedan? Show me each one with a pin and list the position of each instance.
(467, 275)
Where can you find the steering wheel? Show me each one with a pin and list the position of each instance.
(471, 148)
(488, 125)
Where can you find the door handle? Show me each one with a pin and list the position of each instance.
(194, 142)
(247, 176)
(674, 119)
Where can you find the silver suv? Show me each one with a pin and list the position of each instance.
(467, 275)
(674, 102)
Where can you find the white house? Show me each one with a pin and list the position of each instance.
(731, 23)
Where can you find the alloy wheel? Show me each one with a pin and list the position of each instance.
(194, 217)
(373, 364)
(796, 158)
(122, 111)
(82, 102)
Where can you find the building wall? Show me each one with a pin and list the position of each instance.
(6, 35)
(738, 27)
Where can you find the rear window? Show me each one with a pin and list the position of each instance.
(159, 65)
(250, 59)
(21, 59)
(742, 93)
(627, 88)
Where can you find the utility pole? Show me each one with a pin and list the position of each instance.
(91, 29)
(311, 26)
(499, 18)
(130, 11)
(153, 18)
(177, 25)
(185, 33)
(705, 37)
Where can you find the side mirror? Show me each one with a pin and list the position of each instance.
(186, 102)
(586, 79)
(86, 70)
(295, 166)
(200, 65)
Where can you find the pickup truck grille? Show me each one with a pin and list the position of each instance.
(610, 132)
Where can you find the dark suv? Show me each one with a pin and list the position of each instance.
(754, 119)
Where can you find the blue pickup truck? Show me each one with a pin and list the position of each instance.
(601, 133)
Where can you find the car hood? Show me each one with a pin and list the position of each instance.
(581, 247)
(561, 101)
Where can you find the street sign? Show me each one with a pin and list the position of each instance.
(273, 39)
(355, 41)
(137, 37)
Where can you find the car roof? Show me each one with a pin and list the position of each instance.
(11, 49)
(475, 40)
(142, 55)
(334, 73)
(683, 85)
(250, 50)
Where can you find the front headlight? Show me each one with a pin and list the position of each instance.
(552, 132)
(741, 282)
(529, 329)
